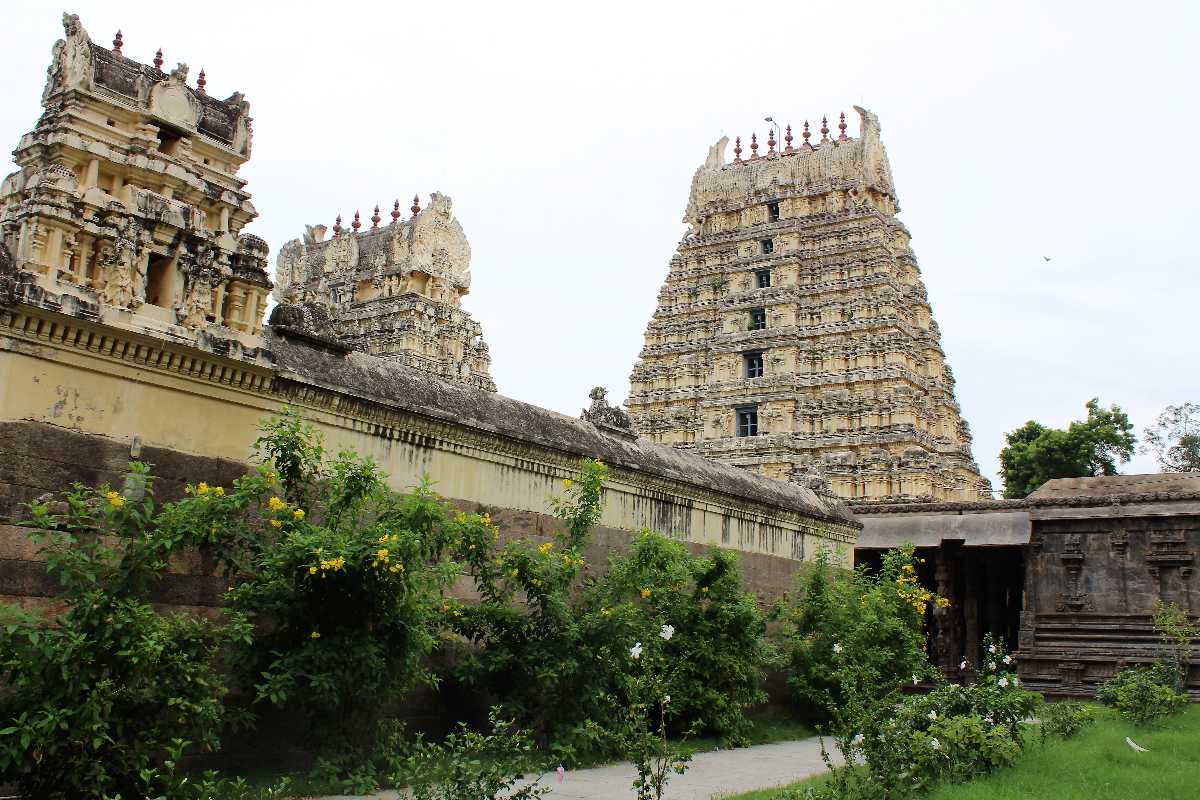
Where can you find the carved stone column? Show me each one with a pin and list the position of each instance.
(970, 608)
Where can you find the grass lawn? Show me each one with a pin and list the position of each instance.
(1096, 765)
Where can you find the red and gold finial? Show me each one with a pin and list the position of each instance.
(337, 225)
(375, 218)
(357, 222)
(842, 127)
(806, 134)
(201, 82)
(753, 146)
(787, 139)
(416, 206)
(737, 150)
(158, 60)
(396, 212)
(824, 130)
(771, 141)
(118, 42)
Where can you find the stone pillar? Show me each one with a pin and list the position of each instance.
(91, 176)
(969, 604)
(946, 638)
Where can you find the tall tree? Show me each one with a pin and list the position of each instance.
(1174, 438)
(1036, 453)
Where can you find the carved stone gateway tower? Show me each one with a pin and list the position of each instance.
(127, 208)
(793, 335)
(393, 291)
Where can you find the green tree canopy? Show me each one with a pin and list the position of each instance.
(1174, 439)
(1036, 454)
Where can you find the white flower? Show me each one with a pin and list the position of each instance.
(989, 719)
(963, 665)
(1008, 659)
(991, 648)
(858, 739)
(915, 681)
(1004, 683)
(666, 632)
(933, 715)
(636, 650)
(1016, 681)
(837, 647)
(935, 744)
(666, 698)
(991, 665)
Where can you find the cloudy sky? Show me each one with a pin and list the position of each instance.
(567, 135)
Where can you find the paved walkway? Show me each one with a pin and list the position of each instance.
(714, 774)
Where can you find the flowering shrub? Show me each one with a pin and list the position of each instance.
(875, 621)
(345, 591)
(1142, 695)
(717, 648)
(903, 745)
(105, 698)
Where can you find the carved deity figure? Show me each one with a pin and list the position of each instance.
(604, 415)
(124, 278)
(71, 64)
(200, 279)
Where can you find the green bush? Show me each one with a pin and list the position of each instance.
(873, 620)
(1066, 720)
(470, 766)
(105, 698)
(1142, 695)
(902, 745)
(718, 647)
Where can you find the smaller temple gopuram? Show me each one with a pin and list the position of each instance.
(793, 334)
(127, 208)
(392, 291)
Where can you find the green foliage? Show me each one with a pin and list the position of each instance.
(1176, 632)
(105, 698)
(1174, 439)
(345, 592)
(875, 621)
(1065, 720)
(907, 745)
(1142, 695)
(718, 646)
(1036, 454)
(471, 766)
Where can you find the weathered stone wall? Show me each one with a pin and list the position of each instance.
(79, 399)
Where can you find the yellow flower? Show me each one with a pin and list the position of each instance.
(704, 589)
(645, 594)
(943, 602)
(567, 482)
(545, 547)
(188, 489)
(275, 503)
(276, 523)
(487, 518)
(115, 499)
(312, 570)
(514, 573)
(298, 514)
(202, 488)
(382, 554)
(315, 634)
(536, 582)
(219, 491)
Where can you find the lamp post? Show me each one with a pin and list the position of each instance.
(771, 120)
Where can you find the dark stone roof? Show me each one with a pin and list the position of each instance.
(1105, 490)
(374, 379)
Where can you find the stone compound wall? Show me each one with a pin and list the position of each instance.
(78, 399)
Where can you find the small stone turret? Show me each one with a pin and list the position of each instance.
(393, 291)
(127, 207)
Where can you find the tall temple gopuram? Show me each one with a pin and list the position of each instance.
(793, 335)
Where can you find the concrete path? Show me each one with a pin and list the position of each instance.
(715, 774)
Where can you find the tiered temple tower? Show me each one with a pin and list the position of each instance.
(127, 208)
(793, 335)
(391, 290)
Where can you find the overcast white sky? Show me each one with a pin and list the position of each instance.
(567, 135)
